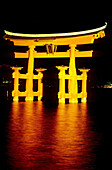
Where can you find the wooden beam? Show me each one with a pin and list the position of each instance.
(23, 76)
(52, 55)
(79, 95)
(55, 55)
(84, 53)
(23, 94)
(21, 55)
(84, 39)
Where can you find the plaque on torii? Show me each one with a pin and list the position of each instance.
(51, 41)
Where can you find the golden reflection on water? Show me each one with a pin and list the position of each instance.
(71, 129)
(50, 138)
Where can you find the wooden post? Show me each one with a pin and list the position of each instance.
(15, 92)
(29, 82)
(84, 85)
(40, 84)
(73, 74)
(61, 94)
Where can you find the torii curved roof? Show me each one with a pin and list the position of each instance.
(56, 34)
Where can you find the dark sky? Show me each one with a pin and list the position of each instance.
(54, 16)
(54, 25)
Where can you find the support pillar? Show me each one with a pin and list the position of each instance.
(84, 85)
(73, 74)
(29, 81)
(61, 94)
(40, 84)
(16, 74)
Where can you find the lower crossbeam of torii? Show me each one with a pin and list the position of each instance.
(52, 41)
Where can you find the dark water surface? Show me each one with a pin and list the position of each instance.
(69, 136)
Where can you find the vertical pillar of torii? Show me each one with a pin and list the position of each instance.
(73, 74)
(29, 76)
(84, 85)
(40, 84)
(62, 77)
(72, 78)
(15, 92)
(29, 81)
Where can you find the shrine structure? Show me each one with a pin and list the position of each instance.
(52, 41)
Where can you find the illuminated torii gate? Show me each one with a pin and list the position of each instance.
(52, 41)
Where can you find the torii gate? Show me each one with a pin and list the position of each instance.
(52, 41)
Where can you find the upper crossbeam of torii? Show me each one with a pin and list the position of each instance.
(72, 38)
(51, 41)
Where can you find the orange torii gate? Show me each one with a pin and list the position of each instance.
(51, 41)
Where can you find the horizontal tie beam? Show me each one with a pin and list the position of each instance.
(55, 55)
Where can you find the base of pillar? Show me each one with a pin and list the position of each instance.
(39, 98)
(73, 100)
(62, 100)
(84, 100)
(16, 99)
